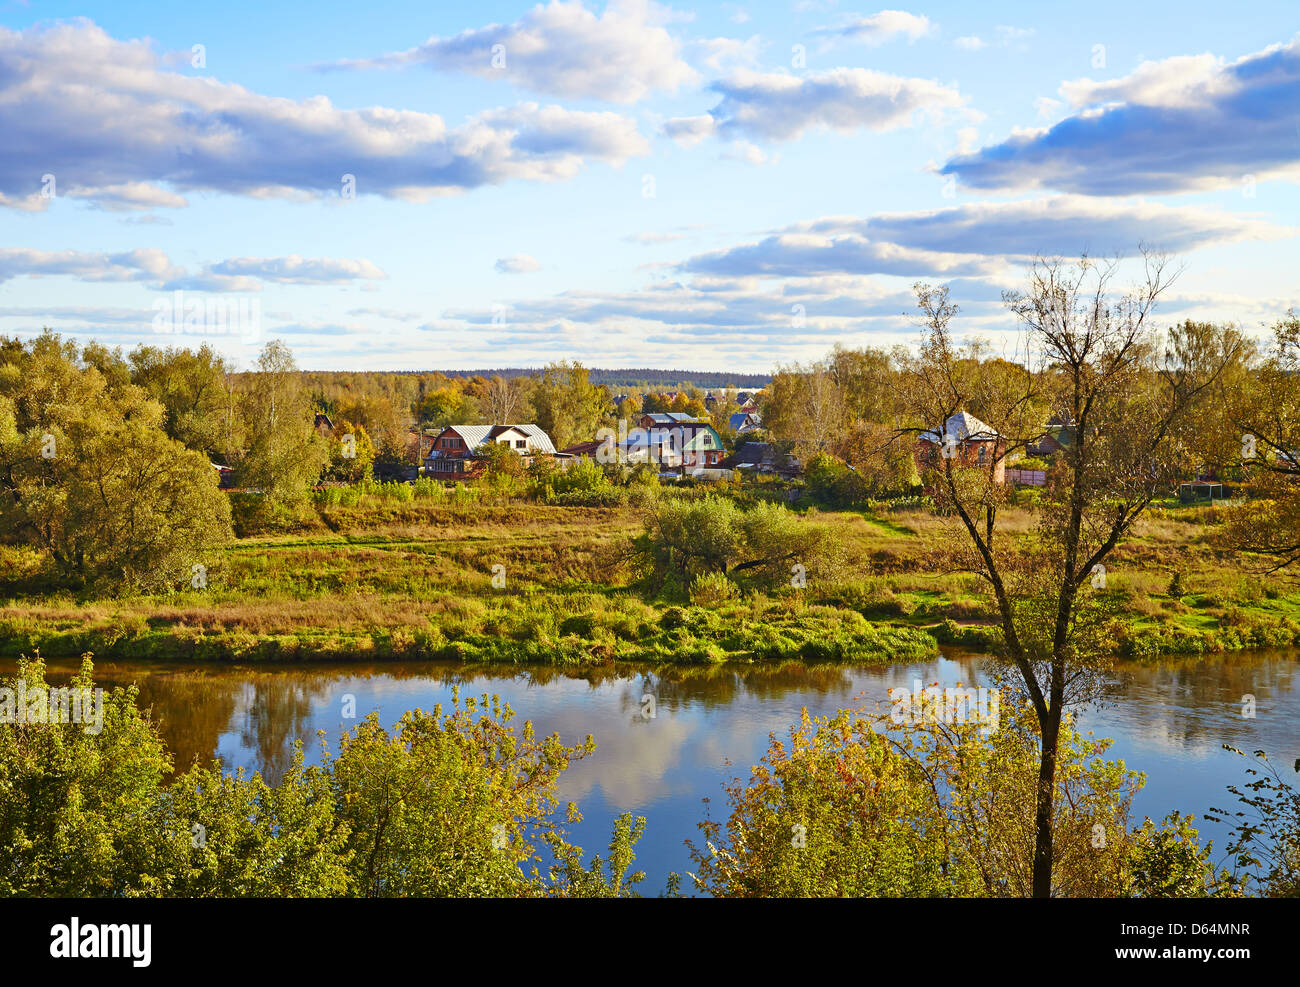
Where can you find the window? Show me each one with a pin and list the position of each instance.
(521, 443)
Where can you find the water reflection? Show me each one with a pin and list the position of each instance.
(1168, 719)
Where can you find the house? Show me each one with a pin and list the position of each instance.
(763, 457)
(226, 477)
(579, 450)
(456, 451)
(967, 441)
(745, 421)
(323, 424)
(672, 439)
(1057, 434)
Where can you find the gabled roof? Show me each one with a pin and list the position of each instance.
(705, 439)
(588, 448)
(674, 418)
(964, 427)
(476, 435)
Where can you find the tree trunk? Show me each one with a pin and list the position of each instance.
(1045, 805)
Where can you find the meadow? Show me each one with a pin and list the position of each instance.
(405, 572)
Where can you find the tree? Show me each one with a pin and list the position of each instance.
(935, 808)
(569, 407)
(804, 406)
(352, 454)
(1258, 414)
(191, 387)
(453, 804)
(503, 400)
(1092, 359)
(500, 460)
(286, 454)
(687, 538)
(444, 406)
(88, 475)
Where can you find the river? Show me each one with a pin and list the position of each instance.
(1168, 719)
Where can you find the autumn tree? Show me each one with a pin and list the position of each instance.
(569, 406)
(351, 453)
(804, 406)
(1090, 358)
(88, 475)
(286, 454)
(190, 385)
(504, 400)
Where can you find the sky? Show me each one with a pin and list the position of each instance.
(731, 187)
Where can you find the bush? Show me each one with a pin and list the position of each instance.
(712, 588)
(87, 813)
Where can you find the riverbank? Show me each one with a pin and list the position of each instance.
(537, 584)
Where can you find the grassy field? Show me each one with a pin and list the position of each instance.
(379, 580)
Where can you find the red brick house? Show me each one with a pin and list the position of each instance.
(967, 441)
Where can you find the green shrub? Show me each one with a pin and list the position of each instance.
(711, 589)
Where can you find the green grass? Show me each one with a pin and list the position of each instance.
(387, 578)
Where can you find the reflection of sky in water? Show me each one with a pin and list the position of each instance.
(1168, 720)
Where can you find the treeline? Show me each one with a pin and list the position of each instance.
(641, 377)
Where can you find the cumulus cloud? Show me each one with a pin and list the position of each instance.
(299, 270)
(780, 107)
(561, 49)
(517, 264)
(113, 125)
(980, 239)
(706, 306)
(807, 255)
(878, 28)
(131, 265)
(153, 267)
(1063, 225)
(1185, 123)
(725, 54)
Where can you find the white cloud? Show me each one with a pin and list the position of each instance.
(1179, 82)
(747, 152)
(113, 126)
(1183, 124)
(517, 264)
(562, 49)
(776, 106)
(154, 268)
(877, 29)
(1058, 225)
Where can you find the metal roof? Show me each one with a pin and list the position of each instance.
(964, 427)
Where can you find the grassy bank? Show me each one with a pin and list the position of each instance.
(385, 579)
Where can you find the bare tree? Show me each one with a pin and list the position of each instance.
(1091, 359)
(503, 398)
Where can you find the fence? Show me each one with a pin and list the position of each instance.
(1027, 478)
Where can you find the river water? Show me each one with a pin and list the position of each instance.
(1168, 719)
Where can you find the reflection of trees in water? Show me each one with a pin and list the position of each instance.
(191, 710)
(1185, 700)
(277, 711)
(1190, 699)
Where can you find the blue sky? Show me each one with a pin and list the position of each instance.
(722, 187)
